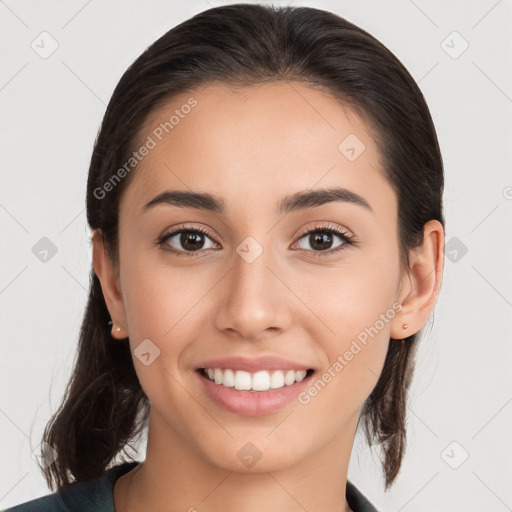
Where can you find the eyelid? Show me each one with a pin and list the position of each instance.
(186, 227)
(327, 226)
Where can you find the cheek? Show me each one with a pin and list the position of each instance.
(165, 304)
(347, 299)
(356, 304)
(149, 303)
(161, 306)
(155, 294)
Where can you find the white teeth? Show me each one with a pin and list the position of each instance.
(277, 380)
(242, 380)
(289, 378)
(300, 376)
(228, 379)
(258, 381)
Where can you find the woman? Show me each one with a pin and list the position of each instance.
(265, 200)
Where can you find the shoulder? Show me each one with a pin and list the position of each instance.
(43, 504)
(94, 495)
(49, 503)
(357, 500)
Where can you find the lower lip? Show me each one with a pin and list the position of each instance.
(252, 403)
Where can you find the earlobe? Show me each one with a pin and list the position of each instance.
(420, 289)
(118, 332)
(107, 275)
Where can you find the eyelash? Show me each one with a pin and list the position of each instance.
(326, 228)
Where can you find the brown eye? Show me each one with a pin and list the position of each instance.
(183, 241)
(325, 239)
(320, 241)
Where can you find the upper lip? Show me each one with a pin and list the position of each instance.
(254, 364)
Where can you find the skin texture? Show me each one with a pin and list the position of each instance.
(252, 147)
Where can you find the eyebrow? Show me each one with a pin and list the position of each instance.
(298, 201)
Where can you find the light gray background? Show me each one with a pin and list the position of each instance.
(51, 110)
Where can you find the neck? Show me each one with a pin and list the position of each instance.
(177, 478)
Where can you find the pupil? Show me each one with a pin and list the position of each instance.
(316, 240)
(191, 241)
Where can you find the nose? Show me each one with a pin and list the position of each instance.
(255, 302)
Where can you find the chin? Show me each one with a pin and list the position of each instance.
(258, 455)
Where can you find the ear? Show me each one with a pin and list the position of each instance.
(109, 280)
(420, 287)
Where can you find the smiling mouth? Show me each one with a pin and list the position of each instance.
(262, 380)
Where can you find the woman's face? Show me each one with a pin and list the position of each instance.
(255, 283)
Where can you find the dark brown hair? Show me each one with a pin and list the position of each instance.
(104, 407)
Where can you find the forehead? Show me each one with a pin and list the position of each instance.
(253, 141)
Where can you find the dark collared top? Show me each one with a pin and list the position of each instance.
(98, 496)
